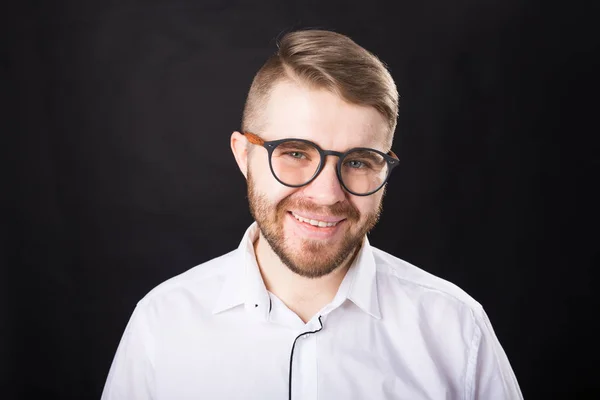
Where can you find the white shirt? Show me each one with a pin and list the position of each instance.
(393, 331)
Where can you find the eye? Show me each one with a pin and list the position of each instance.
(357, 164)
(296, 154)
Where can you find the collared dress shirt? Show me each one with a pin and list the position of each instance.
(393, 331)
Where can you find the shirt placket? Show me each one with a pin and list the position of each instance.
(305, 374)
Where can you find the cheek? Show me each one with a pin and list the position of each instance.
(266, 184)
(366, 205)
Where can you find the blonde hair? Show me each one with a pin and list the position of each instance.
(325, 60)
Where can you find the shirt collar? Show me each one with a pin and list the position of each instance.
(362, 278)
(244, 284)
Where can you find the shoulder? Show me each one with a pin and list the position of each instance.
(397, 275)
(200, 282)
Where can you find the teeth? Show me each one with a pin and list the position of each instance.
(313, 222)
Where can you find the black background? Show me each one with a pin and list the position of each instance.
(117, 172)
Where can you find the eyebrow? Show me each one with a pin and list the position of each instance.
(296, 145)
(367, 154)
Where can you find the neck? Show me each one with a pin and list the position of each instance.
(304, 296)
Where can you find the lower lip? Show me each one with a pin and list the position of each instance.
(314, 232)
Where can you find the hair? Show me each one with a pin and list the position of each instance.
(326, 60)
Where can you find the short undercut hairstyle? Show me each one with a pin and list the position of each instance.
(327, 60)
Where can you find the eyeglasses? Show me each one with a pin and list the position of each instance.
(297, 162)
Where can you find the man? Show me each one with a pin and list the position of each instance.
(306, 308)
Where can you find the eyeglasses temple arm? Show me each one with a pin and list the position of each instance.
(252, 138)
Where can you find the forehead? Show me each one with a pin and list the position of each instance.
(294, 110)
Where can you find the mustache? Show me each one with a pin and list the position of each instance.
(341, 210)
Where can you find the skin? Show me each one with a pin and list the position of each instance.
(301, 264)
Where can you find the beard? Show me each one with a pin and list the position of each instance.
(315, 258)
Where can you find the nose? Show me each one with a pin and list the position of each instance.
(326, 189)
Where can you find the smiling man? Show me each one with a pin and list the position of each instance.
(306, 308)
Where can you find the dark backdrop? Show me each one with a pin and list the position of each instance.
(117, 172)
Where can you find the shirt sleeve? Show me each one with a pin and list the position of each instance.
(491, 376)
(131, 375)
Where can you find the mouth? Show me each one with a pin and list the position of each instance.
(315, 229)
(319, 222)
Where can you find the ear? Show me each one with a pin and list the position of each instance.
(239, 147)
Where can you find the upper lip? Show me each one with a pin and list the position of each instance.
(324, 218)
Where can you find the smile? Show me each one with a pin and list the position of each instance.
(314, 222)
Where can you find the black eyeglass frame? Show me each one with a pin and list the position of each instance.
(391, 159)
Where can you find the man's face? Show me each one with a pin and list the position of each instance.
(294, 111)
